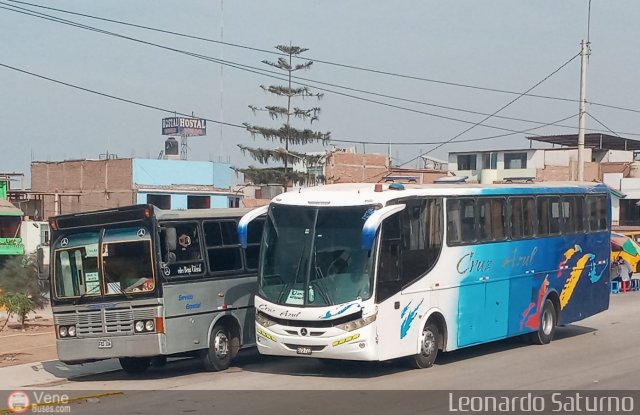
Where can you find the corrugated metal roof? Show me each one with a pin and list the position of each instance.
(591, 140)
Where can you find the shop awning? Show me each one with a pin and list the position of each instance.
(7, 209)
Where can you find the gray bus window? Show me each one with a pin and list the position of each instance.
(188, 248)
(223, 250)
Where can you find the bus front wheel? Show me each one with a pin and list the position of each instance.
(135, 365)
(428, 347)
(218, 356)
(548, 323)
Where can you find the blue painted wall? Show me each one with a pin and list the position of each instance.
(167, 172)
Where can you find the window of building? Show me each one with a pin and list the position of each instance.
(490, 160)
(198, 202)
(466, 162)
(160, 201)
(515, 160)
(234, 202)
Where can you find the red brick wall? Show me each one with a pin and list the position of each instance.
(356, 168)
(102, 184)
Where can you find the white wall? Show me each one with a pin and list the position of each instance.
(31, 234)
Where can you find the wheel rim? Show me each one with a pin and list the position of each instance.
(547, 322)
(428, 343)
(221, 344)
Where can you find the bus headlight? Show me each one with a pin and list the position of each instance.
(139, 326)
(357, 324)
(264, 320)
(149, 326)
(62, 331)
(71, 330)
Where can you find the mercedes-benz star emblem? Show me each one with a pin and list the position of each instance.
(303, 332)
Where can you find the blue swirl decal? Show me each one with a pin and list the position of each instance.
(328, 314)
(407, 318)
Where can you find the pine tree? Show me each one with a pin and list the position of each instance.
(286, 134)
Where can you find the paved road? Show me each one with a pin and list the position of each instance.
(597, 353)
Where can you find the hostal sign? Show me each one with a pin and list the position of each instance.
(184, 126)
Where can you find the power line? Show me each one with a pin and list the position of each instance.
(600, 122)
(326, 62)
(497, 111)
(103, 94)
(154, 107)
(264, 72)
(468, 140)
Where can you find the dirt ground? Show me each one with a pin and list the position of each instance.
(35, 343)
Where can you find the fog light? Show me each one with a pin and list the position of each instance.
(149, 326)
(139, 326)
(62, 330)
(71, 331)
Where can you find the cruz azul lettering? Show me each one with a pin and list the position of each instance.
(266, 308)
(190, 269)
(516, 260)
(468, 264)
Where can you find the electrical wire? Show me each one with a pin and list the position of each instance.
(497, 111)
(326, 62)
(265, 72)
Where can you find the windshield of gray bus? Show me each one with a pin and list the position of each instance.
(106, 262)
(313, 256)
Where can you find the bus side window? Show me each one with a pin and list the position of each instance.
(454, 226)
(223, 249)
(554, 219)
(491, 219)
(389, 262)
(254, 237)
(597, 212)
(543, 216)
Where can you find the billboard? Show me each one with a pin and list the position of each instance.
(182, 126)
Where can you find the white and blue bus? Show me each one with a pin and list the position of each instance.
(378, 272)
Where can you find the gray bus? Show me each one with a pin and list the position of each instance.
(142, 284)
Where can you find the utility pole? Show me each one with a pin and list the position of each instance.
(585, 51)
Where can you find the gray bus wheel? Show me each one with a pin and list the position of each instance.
(135, 365)
(548, 323)
(428, 347)
(218, 356)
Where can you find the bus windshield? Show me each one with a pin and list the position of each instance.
(312, 256)
(120, 264)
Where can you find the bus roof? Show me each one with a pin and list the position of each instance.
(355, 194)
(200, 213)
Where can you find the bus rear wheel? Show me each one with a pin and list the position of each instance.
(135, 365)
(218, 356)
(548, 323)
(428, 347)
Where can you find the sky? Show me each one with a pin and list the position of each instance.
(505, 45)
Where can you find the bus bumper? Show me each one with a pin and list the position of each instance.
(75, 350)
(354, 345)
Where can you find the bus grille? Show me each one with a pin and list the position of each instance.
(97, 323)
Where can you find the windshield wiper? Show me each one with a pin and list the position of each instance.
(290, 284)
(320, 281)
(79, 299)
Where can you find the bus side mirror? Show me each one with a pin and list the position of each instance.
(243, 224)
(374, 221)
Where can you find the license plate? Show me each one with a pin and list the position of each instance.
(104, 344)
(303, 350)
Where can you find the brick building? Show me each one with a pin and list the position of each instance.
(83, 185)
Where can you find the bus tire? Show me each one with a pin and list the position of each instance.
(135, 365)
(548, 323)
(428, 347)
(218, 356)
